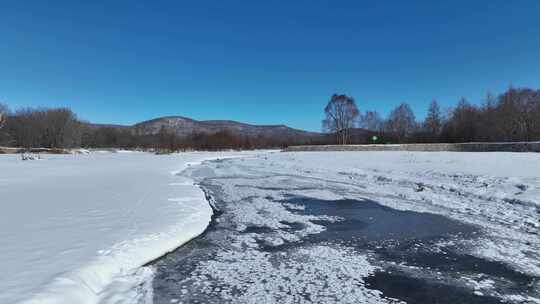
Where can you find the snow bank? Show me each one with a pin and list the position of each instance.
(77, 228)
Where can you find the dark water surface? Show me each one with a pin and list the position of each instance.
(414, 267)
(409, 237)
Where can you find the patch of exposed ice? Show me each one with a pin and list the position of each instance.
(521, 299)
(318, 274)
(261, 212)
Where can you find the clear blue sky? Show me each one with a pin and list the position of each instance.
(262, 62)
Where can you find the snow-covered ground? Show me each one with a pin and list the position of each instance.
(256, 259)
(77, 228)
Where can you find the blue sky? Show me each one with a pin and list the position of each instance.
(262, 62)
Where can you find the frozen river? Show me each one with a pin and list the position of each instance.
(287, 233)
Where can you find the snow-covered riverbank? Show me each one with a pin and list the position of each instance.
(76, 228)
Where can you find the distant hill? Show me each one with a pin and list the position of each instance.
(184, 126)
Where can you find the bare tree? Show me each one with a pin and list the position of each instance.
(401, 122)
(517, 114)
(341, 115)
(464, 121)
(4, 112)
(488, 128)
(433, 121)
(372, 121)
(3, 115)
(49, 128)
(61, 128)
(22, 127)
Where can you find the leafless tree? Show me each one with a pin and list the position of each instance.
(4, 136)
(23, 127)
(371, 120)
(62, 129)
(3, 114)
(401, 122)
(488, 128)
(48, 128)
(517, 112)
(433, 121)
(464, 122)
(341, 115)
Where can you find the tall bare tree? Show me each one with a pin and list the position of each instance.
(371, 120)
(433, 121)
(3, 119)
(464, 121)
(3, 114)
(61, 128)
(49, 128)
(517, 114)
(24, 127)
(341, 115)
(401, 122)
(488, 128)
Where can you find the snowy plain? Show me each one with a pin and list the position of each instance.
(78, 228)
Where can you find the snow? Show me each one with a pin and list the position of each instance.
(243, 272)
(78, 228)
(261, 281)
(496, 192)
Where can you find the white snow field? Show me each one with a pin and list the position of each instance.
(78, 228)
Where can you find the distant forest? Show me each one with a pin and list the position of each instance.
(60, 129)
(511, 116)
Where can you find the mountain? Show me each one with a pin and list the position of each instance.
(184, 126)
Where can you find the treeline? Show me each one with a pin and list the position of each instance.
(60, 128)
(43, 128)
(510, 117)
(167, 140)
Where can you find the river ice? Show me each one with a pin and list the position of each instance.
(363, 227)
